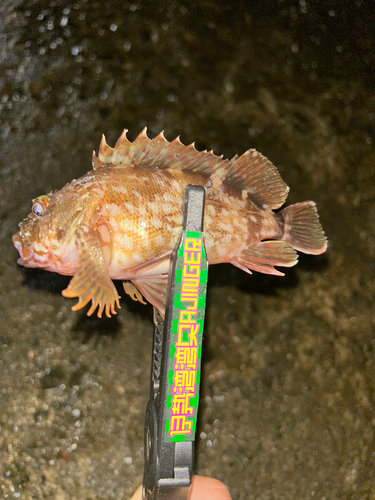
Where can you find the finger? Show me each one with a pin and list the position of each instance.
(207, 488)
(138, 494)
(202, 488)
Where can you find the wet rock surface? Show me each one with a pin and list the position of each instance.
(287, 398)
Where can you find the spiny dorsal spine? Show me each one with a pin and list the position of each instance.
(251, 172)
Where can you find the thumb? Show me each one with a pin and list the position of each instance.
(202, 488)
(207, 488)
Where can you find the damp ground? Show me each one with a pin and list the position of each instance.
(287, 397)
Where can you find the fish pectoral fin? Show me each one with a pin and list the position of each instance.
(266, 254)
(154, 289)
(133, 292)
(92, 281)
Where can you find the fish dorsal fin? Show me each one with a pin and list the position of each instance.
(255, 174)
(251, 172)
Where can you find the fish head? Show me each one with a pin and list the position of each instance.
(46, 238)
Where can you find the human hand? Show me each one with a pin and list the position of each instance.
(202, 488)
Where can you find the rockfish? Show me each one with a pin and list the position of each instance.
(123, 219)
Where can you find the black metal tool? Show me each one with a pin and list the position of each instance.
(171, 412)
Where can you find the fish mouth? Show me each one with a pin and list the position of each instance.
(25, 253)
(30, 257)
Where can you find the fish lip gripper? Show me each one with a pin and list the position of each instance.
(172, 408)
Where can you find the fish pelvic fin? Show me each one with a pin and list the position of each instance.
(302, 228)
(133, 292)
(92, 281)
(154, 289)
(150, 282)
(251, 173)
(263, 256)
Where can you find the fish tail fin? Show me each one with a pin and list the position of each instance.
(302, 228)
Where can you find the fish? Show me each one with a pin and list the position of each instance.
(122, 220)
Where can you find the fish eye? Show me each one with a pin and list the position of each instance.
(38, 209)
(39, 206)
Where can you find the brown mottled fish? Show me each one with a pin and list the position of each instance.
(122, 220)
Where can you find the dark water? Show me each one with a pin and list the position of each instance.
(287, 407)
